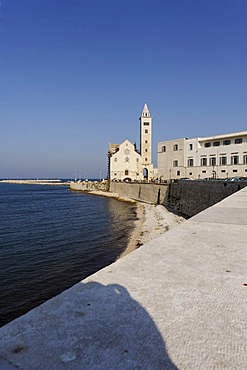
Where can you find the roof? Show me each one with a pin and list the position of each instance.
(208, 138)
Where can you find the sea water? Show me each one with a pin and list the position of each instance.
(51, 238)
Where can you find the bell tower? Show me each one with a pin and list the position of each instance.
(146, 136)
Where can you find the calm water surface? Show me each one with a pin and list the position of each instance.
(51, 238)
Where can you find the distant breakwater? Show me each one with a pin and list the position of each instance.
(36, 182)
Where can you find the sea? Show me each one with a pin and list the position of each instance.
(51, 238)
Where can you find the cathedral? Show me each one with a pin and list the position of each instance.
(126, 163)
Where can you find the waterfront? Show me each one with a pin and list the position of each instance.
(51, 238)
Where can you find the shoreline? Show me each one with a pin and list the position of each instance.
(151, 221)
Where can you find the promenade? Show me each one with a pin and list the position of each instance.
(178, 302)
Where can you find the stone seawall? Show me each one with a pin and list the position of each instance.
(89, 186)
(149, 193)
(184, 197)
(191, 197)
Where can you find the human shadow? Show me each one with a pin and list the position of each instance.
(116, 332)
(90, 326)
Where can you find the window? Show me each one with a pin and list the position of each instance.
(216, 143)
(146, 141)
(223, 161)
(234, 159)
(204, 171)
(163, 148)
(178, 173)
(190, 162)
(127, 159)
(207, 145)
(245, 159)
(137, 159)
(146, 131)
(234, 170)
(212, 161)
(126, 172)
(191, 146)
(115, 173)
(203, 161)
(175, 147)
(223, 170)
(146, 150)
(190, 173)
(238, 141)
(146, 159)
(175, 163)
(115, 159)
(146, 123)
(226, 142)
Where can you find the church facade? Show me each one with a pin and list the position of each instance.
(126, 163)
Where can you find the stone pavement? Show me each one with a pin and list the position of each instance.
(178, 302)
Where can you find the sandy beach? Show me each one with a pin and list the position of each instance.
(151, 221)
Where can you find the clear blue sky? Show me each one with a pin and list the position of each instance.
(75, 74)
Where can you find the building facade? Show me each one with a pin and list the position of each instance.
(220, 156)
(126, 163)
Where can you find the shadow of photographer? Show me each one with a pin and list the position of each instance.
(89, 326)
(117, 332)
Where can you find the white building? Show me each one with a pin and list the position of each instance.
(218, 156)
(126, 163)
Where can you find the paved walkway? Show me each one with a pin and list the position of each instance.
(178, 302)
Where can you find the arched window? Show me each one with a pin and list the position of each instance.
(163, 148)
(126, 173)
(145, 173)
(175, 147)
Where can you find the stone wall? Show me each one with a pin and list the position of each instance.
(191, 197)
(184, 197)
(89, 186)
(149, 193)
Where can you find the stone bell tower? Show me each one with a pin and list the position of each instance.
(146, 136)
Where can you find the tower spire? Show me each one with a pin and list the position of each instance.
(145, 111)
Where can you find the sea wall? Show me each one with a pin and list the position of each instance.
(184, 197)
(191, 197)
(149, 193)
(89, 186)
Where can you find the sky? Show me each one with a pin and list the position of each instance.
(75, 74)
